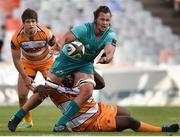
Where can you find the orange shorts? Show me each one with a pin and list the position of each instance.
(31, 68)
(105, 121)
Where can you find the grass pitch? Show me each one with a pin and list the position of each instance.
(44, 118)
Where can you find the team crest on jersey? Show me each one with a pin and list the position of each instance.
(87, 46)
(59, 71)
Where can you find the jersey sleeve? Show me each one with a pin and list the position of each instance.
(48, 33)
(79, 31)
(14, 42)
(111, 39)
(51, 40)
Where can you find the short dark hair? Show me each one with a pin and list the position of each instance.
(104, 9)
(29, 14)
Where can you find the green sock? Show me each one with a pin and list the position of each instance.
(20, 113)
(71, 110)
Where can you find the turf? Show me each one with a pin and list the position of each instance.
(45, 116)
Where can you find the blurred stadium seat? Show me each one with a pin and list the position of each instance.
(142, 38)
(12, 24)
(143, 35)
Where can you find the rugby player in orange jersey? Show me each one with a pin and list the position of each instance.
(92, 117)
(30, 47)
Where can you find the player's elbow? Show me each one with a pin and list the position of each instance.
(100, 84)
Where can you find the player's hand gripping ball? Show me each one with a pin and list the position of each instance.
(75, 49)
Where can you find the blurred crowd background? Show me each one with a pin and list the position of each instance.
(145, 69)
(148, 30)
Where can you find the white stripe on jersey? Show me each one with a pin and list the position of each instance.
(35, 54)
(82, 118)
(33, 44)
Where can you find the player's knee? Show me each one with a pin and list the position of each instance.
(125, 122)
(133, 123)
(86, 87)
(22, 97)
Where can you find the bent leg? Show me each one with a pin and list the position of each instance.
(121, 111)
(126, 122)
(86, 89)
(22, 91)
(23, 94)
(33, 102)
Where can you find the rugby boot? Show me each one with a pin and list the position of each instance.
(61, 128)
(13, 123)
(171, 128)
(26, 125)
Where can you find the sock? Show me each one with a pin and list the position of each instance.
(28, 117)
(144, 127)
(71, 110)
(22, 101)
(20, 113)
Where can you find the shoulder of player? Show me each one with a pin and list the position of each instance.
(88, 26)
(85, 25)
(111, 33)
(43, 28)
(15, 37)
(17, 32)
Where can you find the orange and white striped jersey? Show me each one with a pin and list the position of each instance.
(88, 113)
(92, 117)
(34, 48)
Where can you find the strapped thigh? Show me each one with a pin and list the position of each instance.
(86, 81)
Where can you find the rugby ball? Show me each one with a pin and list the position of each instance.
(75, 49)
